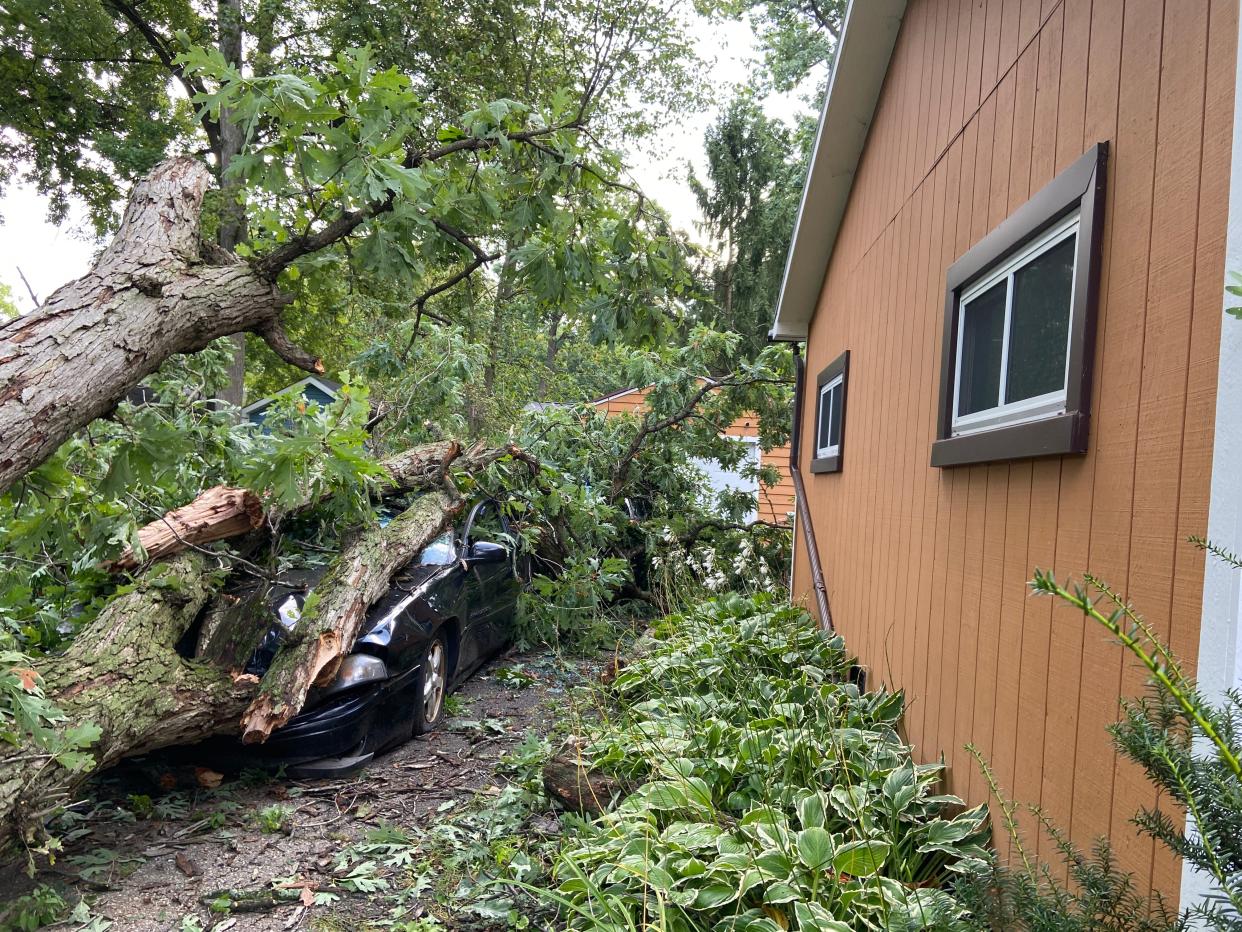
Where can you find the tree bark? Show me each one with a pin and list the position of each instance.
(579, 788)
(151, 295)
(232, 214)
(218, 513)
(123, 674)
(336, 608)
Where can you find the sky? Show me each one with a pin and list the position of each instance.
(49, 256)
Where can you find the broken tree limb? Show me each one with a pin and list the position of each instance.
(581, 789)
(218, 513)
(223, 512)
(335, 610)
(123, 674)
(153, 293)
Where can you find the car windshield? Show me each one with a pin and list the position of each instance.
(440, 552)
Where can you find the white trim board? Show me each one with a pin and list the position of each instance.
(1220, 627)
(859, 66)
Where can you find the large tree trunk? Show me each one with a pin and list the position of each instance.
(151, 295)
(123, 674)
(232, 214)
(326, 631)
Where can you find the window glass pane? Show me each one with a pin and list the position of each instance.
(834, 433)
(1039, 331)
(983, 329)
(825, 414)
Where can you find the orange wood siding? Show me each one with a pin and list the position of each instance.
(776, 502)
(985, 102)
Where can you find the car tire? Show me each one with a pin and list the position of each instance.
(431, 686)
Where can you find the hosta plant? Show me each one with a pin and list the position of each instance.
(773, 794)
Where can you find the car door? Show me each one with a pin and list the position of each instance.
(491, 587)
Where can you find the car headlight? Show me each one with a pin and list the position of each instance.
(357, 670)
(289, 611)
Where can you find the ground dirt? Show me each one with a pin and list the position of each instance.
(150, 841)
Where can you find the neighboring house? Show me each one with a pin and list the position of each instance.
(313, 388)
(1008, 272)
(773, 503)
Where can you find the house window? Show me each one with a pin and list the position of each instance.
(1019, 328)
(1013, 336)
(830, 415)
(828, 434)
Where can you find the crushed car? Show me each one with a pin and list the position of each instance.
(447, 612)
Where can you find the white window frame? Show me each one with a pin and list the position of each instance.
(1043, 406)
(823, 451)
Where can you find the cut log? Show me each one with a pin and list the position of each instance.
(337, 607)
(153, 293)
(123, 674)
(579, 788)
(218, 513)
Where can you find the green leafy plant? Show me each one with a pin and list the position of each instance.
(772, 793)
(1189, 747)
(40, 907)
(515, 677)
(1029, 895)
(274, 818)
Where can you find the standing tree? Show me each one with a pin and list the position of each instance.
(748, 200)
(797, 37)
(97, 93)
(756, 165)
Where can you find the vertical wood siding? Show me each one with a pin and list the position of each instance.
(984, 103)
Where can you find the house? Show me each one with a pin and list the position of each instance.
(314, 388)
(1008, 272)
(772, 503)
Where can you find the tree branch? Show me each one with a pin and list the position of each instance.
(160, 46)
(699, 528)
(273, 334)
(649, 427)
(274, 262)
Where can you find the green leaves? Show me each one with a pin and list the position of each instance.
(1234, 288)
(815, 848)
(860, 858)
(821, 820)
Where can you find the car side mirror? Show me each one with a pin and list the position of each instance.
(486, 551)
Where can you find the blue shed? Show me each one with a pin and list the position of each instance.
(313, 388)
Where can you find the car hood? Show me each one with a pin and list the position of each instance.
(288, 591)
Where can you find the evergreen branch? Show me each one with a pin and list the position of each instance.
(1176, 685)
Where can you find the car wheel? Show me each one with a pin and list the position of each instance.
(432, 686)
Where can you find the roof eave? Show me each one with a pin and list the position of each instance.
(862, 58)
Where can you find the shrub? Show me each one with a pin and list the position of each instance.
(774, 795)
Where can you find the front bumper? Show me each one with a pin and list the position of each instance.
(331, 740)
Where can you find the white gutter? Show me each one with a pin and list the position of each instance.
(861, 61)
(1220, 626)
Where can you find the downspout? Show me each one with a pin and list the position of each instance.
(804, 514)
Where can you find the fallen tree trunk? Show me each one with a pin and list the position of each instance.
(217, 514)
(153, 293)
(222, 512)
(334, 612)
(123, 675)
(581, 789)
